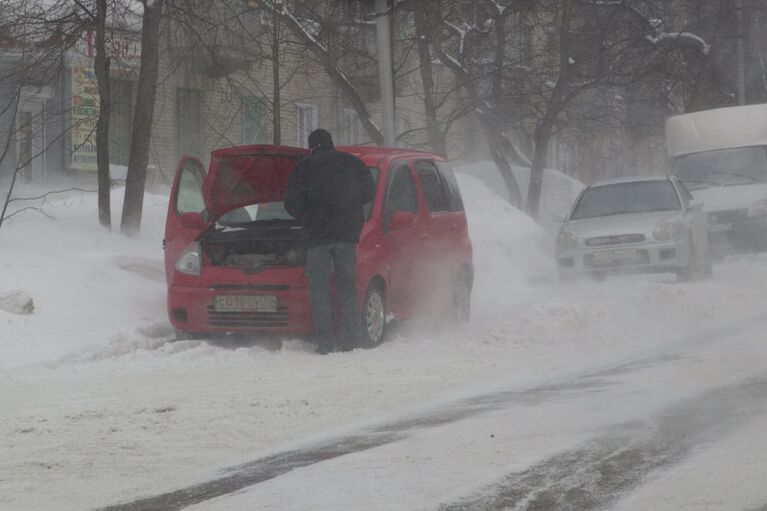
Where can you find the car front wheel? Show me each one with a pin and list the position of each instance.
(373, 316)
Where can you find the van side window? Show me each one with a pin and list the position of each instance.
(433, 188)
(400, 195)
(451, 185)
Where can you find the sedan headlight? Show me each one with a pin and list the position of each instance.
(758, 208)
(190, 260)
(567, 240)
(664, 232)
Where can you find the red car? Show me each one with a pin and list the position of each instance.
(234, 258)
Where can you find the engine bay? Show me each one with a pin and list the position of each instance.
(255, 246)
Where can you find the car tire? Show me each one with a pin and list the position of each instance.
(373, 316)
(460, 306)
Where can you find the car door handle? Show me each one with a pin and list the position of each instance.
(454, 227)
(424, 237)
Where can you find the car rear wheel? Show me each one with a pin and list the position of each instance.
(373, 316)
(461, 303)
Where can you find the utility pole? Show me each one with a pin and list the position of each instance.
(385, 74)
(740, 53)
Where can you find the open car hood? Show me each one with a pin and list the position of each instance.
(244, 175)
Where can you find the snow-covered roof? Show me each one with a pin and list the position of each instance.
(721, 128)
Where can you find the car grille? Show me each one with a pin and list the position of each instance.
(251, 319)
(619, 239)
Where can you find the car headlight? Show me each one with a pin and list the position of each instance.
(758, 208)
(566, 240)
(664, 232)
(190, 260)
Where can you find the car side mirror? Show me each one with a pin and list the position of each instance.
(696, 204)
(193, 220)
(402, 220)
(559, 218)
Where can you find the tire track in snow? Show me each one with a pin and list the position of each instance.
(264, 469)
(605, 469)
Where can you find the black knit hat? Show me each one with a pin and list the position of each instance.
(320, 138)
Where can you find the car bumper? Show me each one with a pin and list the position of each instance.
(735, 232)
(646, 257)
(191, 307)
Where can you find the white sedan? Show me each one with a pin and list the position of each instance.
(649, 224)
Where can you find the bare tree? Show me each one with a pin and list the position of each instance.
(305, 30)
(102, 125)
(144, 114)
(35, 37)
(466, 46)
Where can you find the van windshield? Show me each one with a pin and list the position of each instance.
(724, 167)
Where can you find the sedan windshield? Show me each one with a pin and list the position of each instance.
(724, 167)
(623, 198)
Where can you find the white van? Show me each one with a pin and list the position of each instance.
(721, 157)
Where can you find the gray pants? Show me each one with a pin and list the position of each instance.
(318, 265)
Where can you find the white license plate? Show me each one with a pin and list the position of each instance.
(613, 256)
(720, 227)
(233, 303)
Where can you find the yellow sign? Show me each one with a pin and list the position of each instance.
(85, 112)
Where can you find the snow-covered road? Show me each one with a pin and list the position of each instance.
(99, 408)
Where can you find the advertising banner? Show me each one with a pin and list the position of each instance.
(124, 51)
(85, 111)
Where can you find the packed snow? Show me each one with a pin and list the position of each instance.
(100, 405)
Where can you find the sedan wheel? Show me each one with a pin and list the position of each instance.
(373, 317)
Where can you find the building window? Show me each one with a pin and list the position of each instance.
(254, 120)
(306, 122)
(189, 122)
(352, 128)
(120, 121)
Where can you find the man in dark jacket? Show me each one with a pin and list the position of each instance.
(327, 193)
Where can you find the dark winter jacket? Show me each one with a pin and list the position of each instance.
(327, 192)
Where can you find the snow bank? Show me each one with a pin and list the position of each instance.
(557, 196)
(89, 286)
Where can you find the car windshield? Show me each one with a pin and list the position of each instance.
(272, 211)
(623, 198)
(724, 167)
(266, 211)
